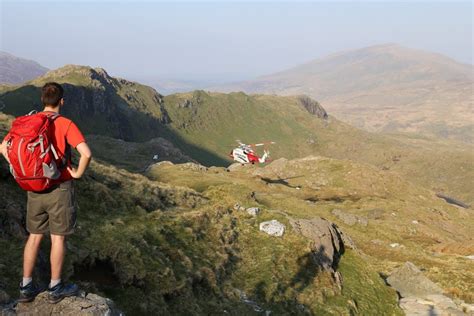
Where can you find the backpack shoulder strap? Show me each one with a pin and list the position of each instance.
(53, 116)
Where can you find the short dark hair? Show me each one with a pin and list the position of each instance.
(51, 93)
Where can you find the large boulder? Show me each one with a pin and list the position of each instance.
(85, 304)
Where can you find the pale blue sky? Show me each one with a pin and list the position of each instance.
(223, 40)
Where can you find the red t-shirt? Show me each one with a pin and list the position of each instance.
(65, 133)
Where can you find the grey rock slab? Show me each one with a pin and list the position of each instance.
(408, 280)
(432, 305)
(273, 228)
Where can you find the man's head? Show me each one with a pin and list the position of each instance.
(52, 95)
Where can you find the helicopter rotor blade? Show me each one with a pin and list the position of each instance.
(264, 143)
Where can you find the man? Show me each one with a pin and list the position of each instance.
(53, 210)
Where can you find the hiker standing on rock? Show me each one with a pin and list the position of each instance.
(38, 149)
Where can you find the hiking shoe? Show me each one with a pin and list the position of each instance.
(28, 292)
(60, 291)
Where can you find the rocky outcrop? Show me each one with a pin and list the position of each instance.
(235, 167)
(193, 166)
(85, 304)
(328, 241)
(313, 107)
(420, 296)
(101, 104)
(328, 244)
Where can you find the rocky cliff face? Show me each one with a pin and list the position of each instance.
(97, 102)
(313, 107)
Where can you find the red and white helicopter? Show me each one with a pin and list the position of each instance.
(246, 154)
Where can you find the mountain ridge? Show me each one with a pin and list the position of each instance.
(387, 88)
(15, 70)
(204, 127)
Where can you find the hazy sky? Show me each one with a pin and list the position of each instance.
(223, 40)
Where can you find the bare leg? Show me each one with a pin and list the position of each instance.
(58, 252)
(30, 253)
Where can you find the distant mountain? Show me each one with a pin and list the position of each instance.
(386, 88)
(14, 70)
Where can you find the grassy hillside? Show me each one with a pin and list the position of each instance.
(171, 241)
(102, 105)
(386, 88)
(214, 120)
(375, 208)
(166, 248)
(204, 127)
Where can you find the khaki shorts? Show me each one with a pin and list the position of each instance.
(53, 211)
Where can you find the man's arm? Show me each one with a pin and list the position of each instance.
(3, 150)
(86, 156)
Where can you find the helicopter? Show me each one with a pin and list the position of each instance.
(246, 154)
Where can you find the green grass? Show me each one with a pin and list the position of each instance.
(215, 120)
(159, 247)
(389, 202)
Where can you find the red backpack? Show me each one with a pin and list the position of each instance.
(31, 153)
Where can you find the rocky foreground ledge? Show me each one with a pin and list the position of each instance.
(85, 304)
(420, 296)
